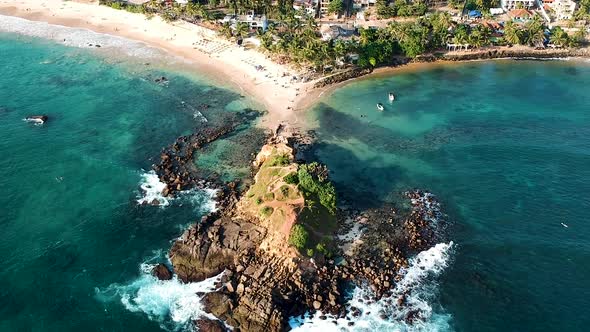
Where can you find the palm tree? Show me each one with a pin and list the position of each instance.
(534, 32)
(512, 33)
(559, 37)
(242, 29)
(226, 30)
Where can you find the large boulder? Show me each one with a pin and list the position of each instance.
(205, 252)
(162, 272)
(208, 325)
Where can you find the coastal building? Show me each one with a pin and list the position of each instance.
(308, 6)
(521, 14)
(561, 9)
(336, 32)
(323, 5)
(509, 5)
(357, 4)
(254, 21)
(496, 11)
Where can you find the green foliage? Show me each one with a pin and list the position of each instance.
(269, 197)
(534, 32)
(313, 181)
(336, 7)
(309, 252)
(266, 211)
(291, 178)
(512, 34)
(322, 248)
(559, 37)
(298, 237)
(280, 160)
(259, 201)
(583, 11)
(386, 9)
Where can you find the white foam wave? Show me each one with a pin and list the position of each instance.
(152, 189)
(418, 283)
(171, 303)
(203, 200)
(76, 37)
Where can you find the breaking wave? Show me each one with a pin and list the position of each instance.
(418, 283)
(152, 188)
(76, 37)
(171, 303)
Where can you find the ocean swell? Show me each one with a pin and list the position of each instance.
(418, 285)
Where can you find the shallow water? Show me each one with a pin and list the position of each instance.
(504, 145)
(74, 238)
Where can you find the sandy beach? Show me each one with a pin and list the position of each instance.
(219, 59)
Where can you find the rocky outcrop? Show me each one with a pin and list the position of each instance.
(176, 166)
(209, 325)
(162, 272)
(263, 281)
(342, 76)
(206, 249)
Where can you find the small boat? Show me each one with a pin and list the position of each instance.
(564, 225)
(391, 96)
(38, 119)
(380, 107)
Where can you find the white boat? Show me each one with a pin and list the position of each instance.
(38, 119)
(391, 96)
(380, 107)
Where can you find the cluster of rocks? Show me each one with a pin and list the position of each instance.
(260, 290)
(422, 223)
(176, 166)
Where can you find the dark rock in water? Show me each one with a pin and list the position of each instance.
(37, 118)
(162, 79)
(155, 202)
(97, 45)
(162, 272)
(208, 325)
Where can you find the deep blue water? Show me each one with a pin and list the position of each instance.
(73, 235)
(504, 145)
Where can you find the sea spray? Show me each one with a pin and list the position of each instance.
(171, 303)
(152, 188)
(418, 282)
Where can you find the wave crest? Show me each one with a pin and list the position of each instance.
(420, 288)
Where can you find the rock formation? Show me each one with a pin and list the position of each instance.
(266, 275)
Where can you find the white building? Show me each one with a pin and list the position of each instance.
(562, 9)
(253, 21)
(509, 5)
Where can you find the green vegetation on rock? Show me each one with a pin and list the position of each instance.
(266, 211)
(298, 237)
(313, 180)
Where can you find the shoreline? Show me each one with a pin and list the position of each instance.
(200, 51)
(205, 53)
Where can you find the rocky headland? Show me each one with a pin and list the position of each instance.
(282, 246)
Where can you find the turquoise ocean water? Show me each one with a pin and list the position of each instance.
(504, 145)
(73, 236)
